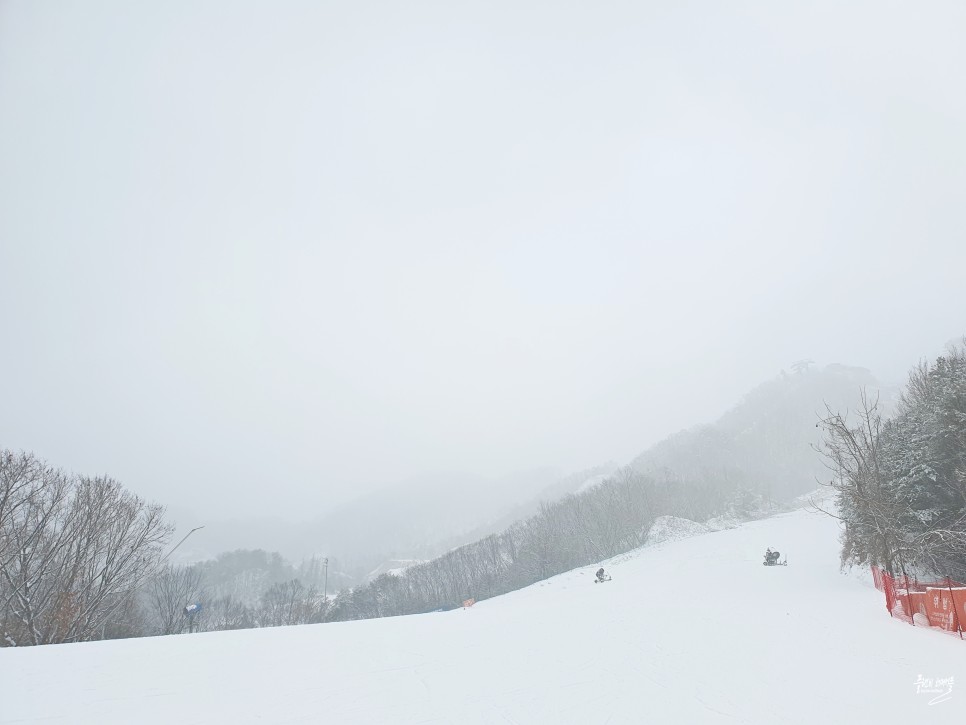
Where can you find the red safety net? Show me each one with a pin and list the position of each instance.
(940, 604)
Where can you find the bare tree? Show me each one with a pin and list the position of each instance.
(32, 542)
(866, 506)
(289, 603)
(73, 551)
(227, 612)
(169, 592)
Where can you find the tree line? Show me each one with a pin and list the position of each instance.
(81, 558)
(240, 589)
(900, 482)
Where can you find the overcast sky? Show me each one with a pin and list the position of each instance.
(264, 257)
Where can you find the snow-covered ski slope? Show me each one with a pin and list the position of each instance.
(689, 631)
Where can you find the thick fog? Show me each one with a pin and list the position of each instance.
(269, 257)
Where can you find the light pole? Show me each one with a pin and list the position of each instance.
(325, 585)
(164, 558)
(153, 569)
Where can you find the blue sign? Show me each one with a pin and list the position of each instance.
(192, 609)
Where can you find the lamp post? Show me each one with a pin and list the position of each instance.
(325, 585)
(164, 558)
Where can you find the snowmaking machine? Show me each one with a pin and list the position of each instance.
(772, 559)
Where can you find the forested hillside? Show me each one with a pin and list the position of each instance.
(418, 518)
(760, 454)
(766, 445)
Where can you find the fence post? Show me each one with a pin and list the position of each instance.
(952, 600)
(908, 607)
(889, 589)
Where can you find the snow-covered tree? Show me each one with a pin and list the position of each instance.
(901, 483)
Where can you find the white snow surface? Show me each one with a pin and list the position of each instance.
(673, 528)
(692, 631)
(592, 482)
(393, 567)
(725, 521)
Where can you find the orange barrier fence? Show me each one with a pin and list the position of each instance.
(940, 604)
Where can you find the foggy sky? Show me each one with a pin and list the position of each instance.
(264, 257)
